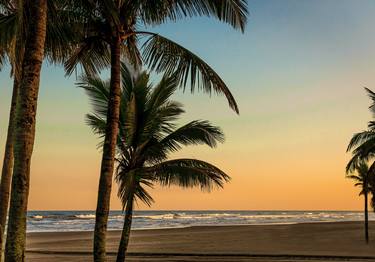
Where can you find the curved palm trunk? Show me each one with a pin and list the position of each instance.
(366, 218)
(125, 235)
(108, 158)
(6, 173)
(25, 130)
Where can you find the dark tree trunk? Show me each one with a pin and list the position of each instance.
(125, 235)
(108, 158)
(24, 131)
(366, 218)
(6, 173)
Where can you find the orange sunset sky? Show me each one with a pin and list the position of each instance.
(297, 73)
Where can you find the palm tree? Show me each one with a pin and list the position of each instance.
(16, 32)
(147, 136)
(111, 28)
(14, 51)
(25, 129)
(362, 146)
(362, 180)
(6, 172)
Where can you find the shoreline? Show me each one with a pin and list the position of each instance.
(322, 241)
(208, 225)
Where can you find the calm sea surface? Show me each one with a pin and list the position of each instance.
(47, 221)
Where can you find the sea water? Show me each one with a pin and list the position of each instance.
(58, 221)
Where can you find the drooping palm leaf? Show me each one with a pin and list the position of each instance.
(360, 138)
(233, 12)
(189, 173)
(164, 55)
(92, 54)
(193, 133)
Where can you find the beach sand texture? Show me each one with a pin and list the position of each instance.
(342, 241)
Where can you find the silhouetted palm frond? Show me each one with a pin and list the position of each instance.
(164, 55)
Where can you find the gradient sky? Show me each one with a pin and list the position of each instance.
(298, 74)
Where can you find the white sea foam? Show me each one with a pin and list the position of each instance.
(85, 220)
(86, 216)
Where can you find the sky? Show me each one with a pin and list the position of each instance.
(297, 73)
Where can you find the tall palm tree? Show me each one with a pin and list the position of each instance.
(362, 180)
(25, 129)
(6, 172)
(13, 49)
(362, 146)
(111, 28)
(148, 134)
(12, 37)
(16, 32)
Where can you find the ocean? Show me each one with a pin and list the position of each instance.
(58, 221)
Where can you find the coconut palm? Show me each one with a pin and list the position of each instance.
(111, 32)
(363, 180)
(148, 135)
(16, 32)
(12, 51)
(362, 146)
(6, 172)
(12, 46)
(25, 129)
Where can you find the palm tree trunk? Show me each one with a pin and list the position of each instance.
(125, 235)
(6, 173)
(108, 158)
(366, 218)
(25, 129)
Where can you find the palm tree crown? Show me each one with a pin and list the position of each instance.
(148, 135)
(103, 21)
(362, 178)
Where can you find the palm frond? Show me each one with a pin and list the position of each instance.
(354, 177)
(353, 164)
(162, 92)
(132, 185)
(164, 55)
(142, 194)
(2, 58)
(131, 124)
(233, 12)
(371, 125)
(126, 185)
(131, 51)
(372, 97)
(7, 6)
(365, 150)
(189, 173)
(110, 11)
(193, 133)
(97, 123)
(363, 177)
(360, 138)
(98, 93)
(8, 33)
(63, 31)
(92, 54)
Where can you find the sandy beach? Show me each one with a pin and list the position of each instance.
(296, 242)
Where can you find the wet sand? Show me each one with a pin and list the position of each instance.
(296, 242)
